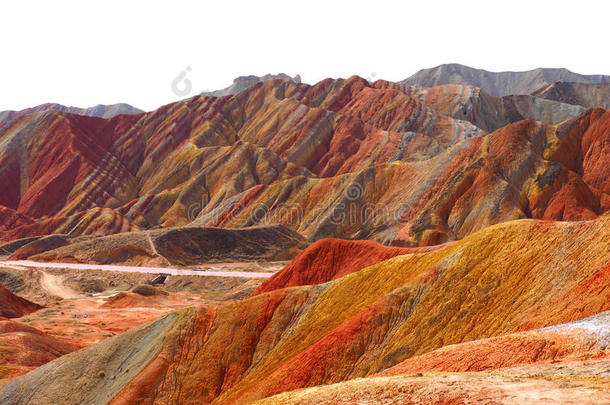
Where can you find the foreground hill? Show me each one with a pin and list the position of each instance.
(498, 83)
(579, 383)
(507, 278)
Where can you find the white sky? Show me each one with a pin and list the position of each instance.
(84, 53)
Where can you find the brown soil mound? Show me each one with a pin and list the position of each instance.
(132, 300)
(179, 246)
(147, 290)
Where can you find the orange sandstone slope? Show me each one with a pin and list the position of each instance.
(580, 383)
(500, 280)
(23, 348)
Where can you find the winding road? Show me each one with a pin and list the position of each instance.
(135, 269)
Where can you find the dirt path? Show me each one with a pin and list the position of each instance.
(151, 243)
(135, 269)
(54, 285)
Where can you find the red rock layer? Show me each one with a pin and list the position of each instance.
(329, 259)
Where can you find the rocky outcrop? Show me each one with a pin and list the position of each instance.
(488, 112)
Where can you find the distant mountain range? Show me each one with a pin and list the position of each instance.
(100, 110)
(243, 82)
(587, 91)
(498, 83)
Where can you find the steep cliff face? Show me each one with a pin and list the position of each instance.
(498, 83)
(498, 281)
